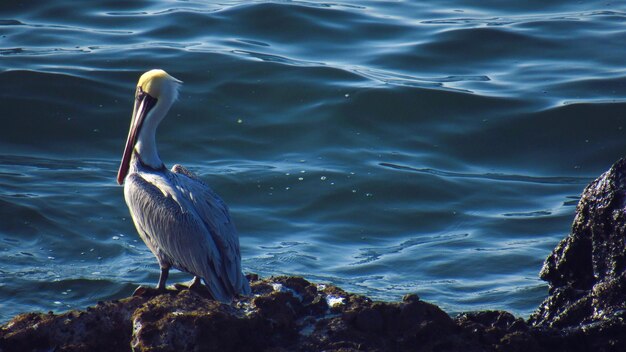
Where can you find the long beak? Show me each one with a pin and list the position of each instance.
(143, 104)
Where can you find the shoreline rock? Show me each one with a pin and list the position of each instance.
(585, 309)
(286, 314)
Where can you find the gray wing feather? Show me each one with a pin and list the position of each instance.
(214, 212)
(179, 169)
(186, 227)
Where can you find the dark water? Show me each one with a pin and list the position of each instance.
(384, 146)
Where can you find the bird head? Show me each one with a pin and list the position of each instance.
(159, 85)
(156, 92)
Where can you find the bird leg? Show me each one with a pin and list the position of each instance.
(165, 271)
(197, 286)
(151, 292)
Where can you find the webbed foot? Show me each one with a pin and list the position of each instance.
(145, 291)
(196, 286)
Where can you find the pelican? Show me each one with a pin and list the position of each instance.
(182, 221)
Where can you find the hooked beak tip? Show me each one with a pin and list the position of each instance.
(121, 174)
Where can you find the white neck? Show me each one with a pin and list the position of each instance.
(146, 141)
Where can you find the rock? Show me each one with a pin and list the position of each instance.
(105, 327)
(585, 272)
(585, 309)
(285, 314)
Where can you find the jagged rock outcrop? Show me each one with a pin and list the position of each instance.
(585, 309)
(586, 271)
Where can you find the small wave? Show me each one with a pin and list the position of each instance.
(41, 51)
(11, 23)
(530, 214)
(64, 27)
(253, 42)
(126, 13)
(594, 101)
(371, 254)
(276, 58)
(493, 176)
(11, 51)
(283, 245)
(422, 82)
(519, 19)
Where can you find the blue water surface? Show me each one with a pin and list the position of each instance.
(387, 147)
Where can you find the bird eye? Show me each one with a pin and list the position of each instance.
(139, 93)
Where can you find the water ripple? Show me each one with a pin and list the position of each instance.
(346, 136)
(372, 254)
(494, 176)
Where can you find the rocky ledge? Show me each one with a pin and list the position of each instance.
(585, 309)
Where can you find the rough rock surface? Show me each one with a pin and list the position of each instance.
(586, 271)
(585, 310)
(285, 314)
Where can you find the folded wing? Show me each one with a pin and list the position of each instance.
(189, 227)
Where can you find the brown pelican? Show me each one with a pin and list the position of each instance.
(183, 222)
